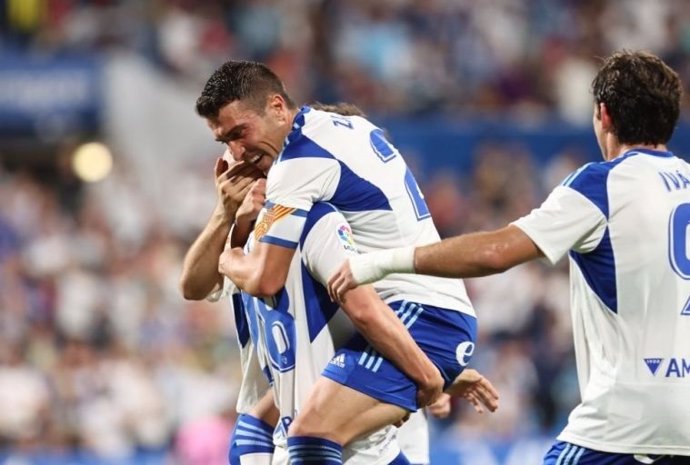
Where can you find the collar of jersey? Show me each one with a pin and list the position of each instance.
(654, 153)
(297, 125)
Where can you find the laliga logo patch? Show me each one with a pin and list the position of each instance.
(345, 236)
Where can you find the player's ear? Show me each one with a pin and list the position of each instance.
(278, 107)
(605, 117)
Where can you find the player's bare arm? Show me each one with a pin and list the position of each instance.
(389, 336)
(200, 266)
(469, 255)
(262, 272)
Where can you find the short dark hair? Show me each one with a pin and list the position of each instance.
(248, 81)
(642, 94)
(340, 108)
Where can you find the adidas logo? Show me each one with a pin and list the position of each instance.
(338, 360)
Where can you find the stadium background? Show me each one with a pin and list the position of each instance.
(101, 361)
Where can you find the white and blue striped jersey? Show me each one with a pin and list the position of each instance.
(299, 328)
(347, 161)
(626, 226)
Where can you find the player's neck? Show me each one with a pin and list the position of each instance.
(624, 148)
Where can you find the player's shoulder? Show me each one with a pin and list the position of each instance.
(597, 173)
(324, 214)
(315, 133)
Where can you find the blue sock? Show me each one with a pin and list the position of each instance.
(306, 450)
(251, 436)
(400, 460)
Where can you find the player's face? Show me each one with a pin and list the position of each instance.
(251, 135)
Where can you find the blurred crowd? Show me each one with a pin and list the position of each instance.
(522, 57)
(98, 350)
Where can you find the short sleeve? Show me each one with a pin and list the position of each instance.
(567, 220)
(327, 242)
(304, 174)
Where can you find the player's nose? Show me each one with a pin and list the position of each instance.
(237, 150)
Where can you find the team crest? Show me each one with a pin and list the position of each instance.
(270, 216)
(345, 236)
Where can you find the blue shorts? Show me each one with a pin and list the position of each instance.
(446, 336)
(564, 453)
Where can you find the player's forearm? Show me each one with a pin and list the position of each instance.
(387, 334)
(248, 273)
(200, 266)
(466, 256)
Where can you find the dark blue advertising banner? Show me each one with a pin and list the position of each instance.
(50, 96)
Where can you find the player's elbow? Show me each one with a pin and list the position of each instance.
(494, 260)
(264, 284)
(191, 290)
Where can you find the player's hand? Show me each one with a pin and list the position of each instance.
(227, 257)
(233, 181)
(341, 282)
(431, 389)
(476, 389)
(440, 408)
(252, 204)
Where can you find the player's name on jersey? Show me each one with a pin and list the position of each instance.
(674, 181)
(674, 367)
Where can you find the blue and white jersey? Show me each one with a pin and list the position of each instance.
(626, 226)
(300, 328)
(255, 373)
(347, 161)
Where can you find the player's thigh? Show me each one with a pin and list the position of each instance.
(341, 414)
(564, 453)
(446, 337)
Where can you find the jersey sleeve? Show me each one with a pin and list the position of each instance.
(327, 242)
(566, 220)
(304, 174)
(227, 289)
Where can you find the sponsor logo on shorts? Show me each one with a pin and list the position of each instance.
(673, 367)
(463, 352)
(338, 360)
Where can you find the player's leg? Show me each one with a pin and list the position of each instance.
(361, 391)
(252, 439)
(318, 433)
(413, 438)
(565, 453)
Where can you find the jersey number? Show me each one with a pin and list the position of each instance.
(279, 335)
(385, 151)
(678, 231)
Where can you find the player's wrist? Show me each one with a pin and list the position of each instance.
(371, 267)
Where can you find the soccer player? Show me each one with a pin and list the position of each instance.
(625, 223)
(299, 330)
(253, 442)
(312, 156)
(296, 333)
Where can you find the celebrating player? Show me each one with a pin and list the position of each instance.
(311, 156)
(624, 222)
